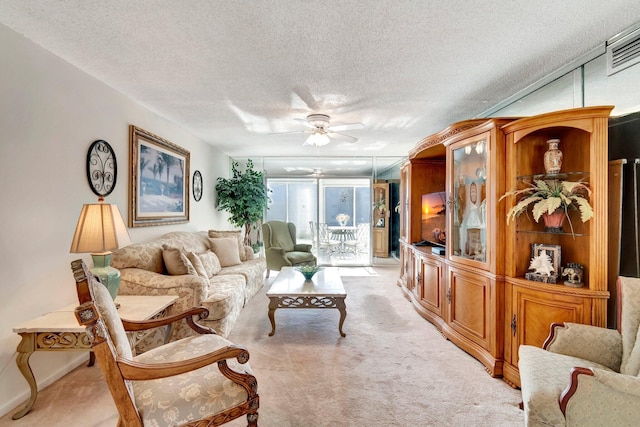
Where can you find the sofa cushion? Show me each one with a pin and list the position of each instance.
(253, 272)
(198, 266)
(169, 401)
(147, 256)
(225, 296)
(211, 263)
(176, 261)
(297, 258)
(226, 250)
(236, 234)
(196, 242)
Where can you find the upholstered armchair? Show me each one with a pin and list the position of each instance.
(202, 380)
(280, 246)
(586, 375)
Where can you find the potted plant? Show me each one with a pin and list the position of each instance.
(244, 196)
(551, 199)
(380, 204)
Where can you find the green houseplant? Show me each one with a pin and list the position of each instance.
(551, 199)
(244, 196)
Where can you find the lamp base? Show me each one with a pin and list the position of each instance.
(109, 276)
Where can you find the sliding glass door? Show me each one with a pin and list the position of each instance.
(332, 214)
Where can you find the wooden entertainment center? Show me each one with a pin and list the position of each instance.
(475, 290)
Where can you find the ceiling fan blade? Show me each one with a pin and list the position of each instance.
(346, 126)
(342, 137)
(285, 133)
(304, 122)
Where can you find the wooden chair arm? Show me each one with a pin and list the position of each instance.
(201, 312)
(138, 371)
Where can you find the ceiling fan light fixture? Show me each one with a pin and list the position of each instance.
(318, 139)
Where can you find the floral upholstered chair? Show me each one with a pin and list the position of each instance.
(201, 380)
(586, 375)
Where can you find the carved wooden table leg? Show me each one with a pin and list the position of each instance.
(25, 349)
(343, 313)
(273, 304)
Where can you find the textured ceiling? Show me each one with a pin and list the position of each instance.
(232, 72)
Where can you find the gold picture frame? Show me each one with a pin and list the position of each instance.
(158, 180)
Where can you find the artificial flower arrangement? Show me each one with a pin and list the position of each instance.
(550, 197)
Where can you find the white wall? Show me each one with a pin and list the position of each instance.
(50, 112)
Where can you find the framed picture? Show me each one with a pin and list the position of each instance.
(159, 180)
(553, 251)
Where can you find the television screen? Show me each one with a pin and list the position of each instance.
(434, 218)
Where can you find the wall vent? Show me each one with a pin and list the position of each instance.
(623, 52)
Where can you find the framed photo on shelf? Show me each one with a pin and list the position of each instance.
(553, 251)
(159, 180)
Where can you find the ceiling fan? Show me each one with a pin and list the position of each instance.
(322, 131)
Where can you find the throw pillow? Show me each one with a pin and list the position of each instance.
(197, 264)
(237, 234)
(226, 249)
(176, 261)
(210, 262)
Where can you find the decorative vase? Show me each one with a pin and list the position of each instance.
(553, 157)
(553, 222)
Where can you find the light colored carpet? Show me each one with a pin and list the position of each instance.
(392, 369)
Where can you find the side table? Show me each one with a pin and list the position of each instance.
(59, 331)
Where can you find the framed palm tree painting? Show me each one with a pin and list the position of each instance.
(158, 187)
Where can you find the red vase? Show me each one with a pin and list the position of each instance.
(553, 222)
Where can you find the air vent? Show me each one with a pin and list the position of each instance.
(623, 52)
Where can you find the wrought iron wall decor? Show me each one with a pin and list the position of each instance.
(197, 186)
(102, 168)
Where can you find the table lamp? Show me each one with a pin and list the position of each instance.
(100, 229)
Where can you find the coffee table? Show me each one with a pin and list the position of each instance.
(291, 290)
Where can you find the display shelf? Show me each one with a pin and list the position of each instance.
(563, 176)
(531, 306)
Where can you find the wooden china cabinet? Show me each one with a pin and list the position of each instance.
(460, 290)
(531, 306)
(476, 292)
(475, 251)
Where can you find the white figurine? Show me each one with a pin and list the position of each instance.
(541, 264)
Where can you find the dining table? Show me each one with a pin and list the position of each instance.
(343, 234)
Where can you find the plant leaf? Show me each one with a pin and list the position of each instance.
(521, 207)
(547, 206)
(586, 212)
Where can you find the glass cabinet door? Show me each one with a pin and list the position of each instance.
(469, 199)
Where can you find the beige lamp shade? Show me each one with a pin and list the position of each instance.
(100, 229)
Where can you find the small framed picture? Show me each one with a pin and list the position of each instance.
(553, 251)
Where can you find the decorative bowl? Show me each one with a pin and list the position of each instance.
(308, 271)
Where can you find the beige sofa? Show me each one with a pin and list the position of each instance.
(210, 269)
